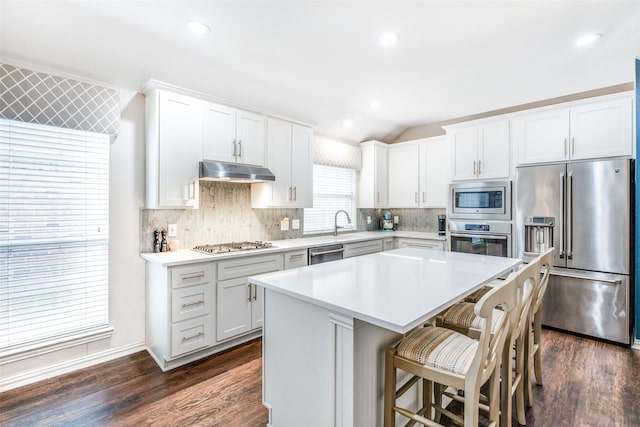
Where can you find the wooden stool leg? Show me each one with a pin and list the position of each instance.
(521, 361)
(389, 388)
(505, 394)
(537, 359)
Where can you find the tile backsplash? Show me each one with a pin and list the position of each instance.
(225, 215)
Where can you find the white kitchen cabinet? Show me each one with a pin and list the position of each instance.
(404, 242)
(480, 151)
(290, 158)
(586, 130)
(362, 248)
(295, 259)
(404, 175)
(239, 305)
(418, 173)
(232, 135)
(180, 310)
(173, 149)
(373, 182)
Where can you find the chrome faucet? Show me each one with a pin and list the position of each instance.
(335, 221)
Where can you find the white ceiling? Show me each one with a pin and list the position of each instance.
(319, 61)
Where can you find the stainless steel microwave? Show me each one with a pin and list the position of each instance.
(480, 200)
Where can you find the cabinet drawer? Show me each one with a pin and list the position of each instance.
(421, 243)
(362, 248)
(191, 335)
(295, 259)
(189, 275)
(247, 266)
(190, 302)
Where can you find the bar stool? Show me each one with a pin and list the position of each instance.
(461, 317)
(534, 336)
(446, 357)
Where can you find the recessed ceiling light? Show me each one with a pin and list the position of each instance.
(587, 39)
(198, 28)
(388, 39)
(347, 123)
(375, 104)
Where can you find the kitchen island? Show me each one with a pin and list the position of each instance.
(326, 327)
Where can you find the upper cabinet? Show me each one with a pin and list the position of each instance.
(290, 158)
(173, 149)
(582, 131)
(373, 184)
(418, 173)
(479, 151)
(232, 135)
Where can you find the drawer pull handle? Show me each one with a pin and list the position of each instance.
(193, 337)
(191, 276)
(193, 304)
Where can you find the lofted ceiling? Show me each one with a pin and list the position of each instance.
(319, 62)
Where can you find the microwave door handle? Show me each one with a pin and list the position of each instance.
(563, 204)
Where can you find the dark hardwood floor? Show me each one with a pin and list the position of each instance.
(587, 383)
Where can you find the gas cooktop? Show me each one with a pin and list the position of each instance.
(222, 248)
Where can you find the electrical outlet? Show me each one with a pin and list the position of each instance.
(368, 220)
(395, 219)
(295, 224)
(172, 230)
(284, 224)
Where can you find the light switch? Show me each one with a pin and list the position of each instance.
(395, 219)
(368, 220)
(295, 224)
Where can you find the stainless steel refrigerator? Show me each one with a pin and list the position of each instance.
(585, 209)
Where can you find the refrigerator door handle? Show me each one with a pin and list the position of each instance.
(570, 216)
(612, 282)
(562, 208)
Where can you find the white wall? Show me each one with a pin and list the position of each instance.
(126, 268)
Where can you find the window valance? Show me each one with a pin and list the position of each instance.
(34, 97)
(330, 152)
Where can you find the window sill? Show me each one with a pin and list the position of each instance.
(40, 348)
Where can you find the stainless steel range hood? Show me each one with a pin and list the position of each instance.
(234, 172)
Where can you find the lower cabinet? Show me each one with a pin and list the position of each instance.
(403, 242)
(180, 310)
(239, 305)
(362, 248)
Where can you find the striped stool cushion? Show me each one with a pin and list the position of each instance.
(462, 315)
(440, 348)
(475, 297)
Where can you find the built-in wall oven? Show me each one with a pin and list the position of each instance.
(490, 200)
(480, 218)
(480, 237)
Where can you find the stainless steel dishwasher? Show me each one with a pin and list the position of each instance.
(326, 253)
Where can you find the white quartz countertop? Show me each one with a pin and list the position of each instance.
(397, 290)
(187, 256)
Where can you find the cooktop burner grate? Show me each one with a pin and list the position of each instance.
(222, 248)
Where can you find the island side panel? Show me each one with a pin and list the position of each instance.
(370, 343)
(297, 362)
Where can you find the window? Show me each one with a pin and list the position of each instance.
(333, 189)
(54, 206)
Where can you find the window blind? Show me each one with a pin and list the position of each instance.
(54, 245)
(333, 189)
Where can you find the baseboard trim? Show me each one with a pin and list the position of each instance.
(636, 344)
(69, 366)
